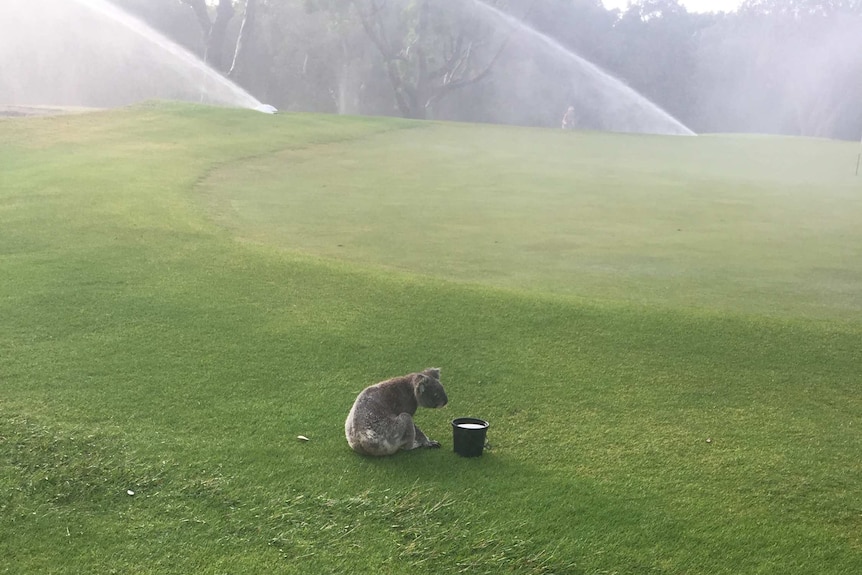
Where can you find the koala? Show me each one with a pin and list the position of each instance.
(381, 419)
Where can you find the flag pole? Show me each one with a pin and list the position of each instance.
(859, 157)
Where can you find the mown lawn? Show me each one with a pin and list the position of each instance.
(185, 290)
(767, 226)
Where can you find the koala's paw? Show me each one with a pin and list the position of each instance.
(433, 444)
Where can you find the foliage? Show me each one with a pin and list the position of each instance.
(428, 49)
(170, 17)
(773, 66)
(214, 28)
(782, 72)
(801, 9)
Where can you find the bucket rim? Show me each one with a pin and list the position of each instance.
(458, 421)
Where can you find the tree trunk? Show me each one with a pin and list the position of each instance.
(200, 9)
(413, 61)
(244, 36)
(214, 32)
(218, 35)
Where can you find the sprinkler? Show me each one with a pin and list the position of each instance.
(266, 109)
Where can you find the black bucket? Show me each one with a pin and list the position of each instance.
(468, 436)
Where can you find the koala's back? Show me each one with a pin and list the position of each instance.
(376, 409)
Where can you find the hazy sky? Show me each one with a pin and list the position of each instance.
(690, 5)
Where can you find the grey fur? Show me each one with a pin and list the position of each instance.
(381, 419)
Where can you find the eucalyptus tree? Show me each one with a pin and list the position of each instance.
(224, 51)
(429, 48)
(170, 17)
(785, 66)
(214, 28)
(801, 8)
(657, 53)
(243, 37)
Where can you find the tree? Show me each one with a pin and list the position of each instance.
(775, 66)
(784, 66)
(214, 29)
(243, 38)
(429, 48)
(657, 52)
(170, 17)
(584, 26)
(302, 59)
(800, 8)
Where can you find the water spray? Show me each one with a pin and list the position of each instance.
(188, 77)
(612, 84)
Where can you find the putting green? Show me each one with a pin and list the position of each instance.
(761, 225)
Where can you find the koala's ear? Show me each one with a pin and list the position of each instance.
(422, 386)
(433, 372)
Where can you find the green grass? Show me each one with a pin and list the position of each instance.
(176, 309)
(765, 226)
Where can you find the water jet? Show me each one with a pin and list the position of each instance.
(92, 53)
(620, 107)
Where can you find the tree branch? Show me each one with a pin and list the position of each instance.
(372, 23)
(450, 83)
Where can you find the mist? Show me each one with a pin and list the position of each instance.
(795, 77)
(652, 67)
(90, 53)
